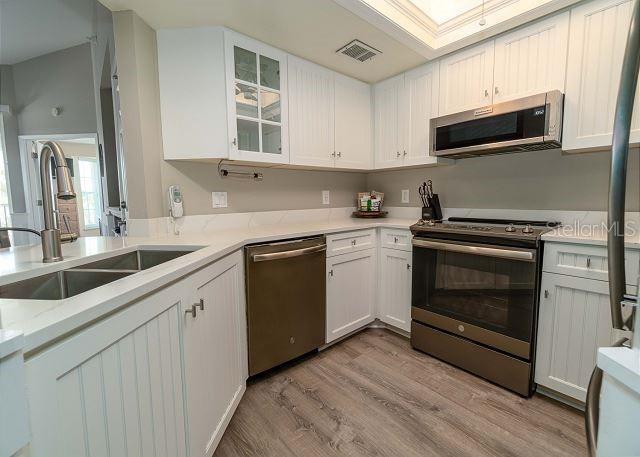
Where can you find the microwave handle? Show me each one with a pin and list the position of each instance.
(490, 251)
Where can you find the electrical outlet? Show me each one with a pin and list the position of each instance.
(219, 199)
(325, 197)
(405, 195)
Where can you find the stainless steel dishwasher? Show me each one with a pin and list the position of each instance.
(286, 300)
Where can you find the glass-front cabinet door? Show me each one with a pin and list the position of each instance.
(257, 88)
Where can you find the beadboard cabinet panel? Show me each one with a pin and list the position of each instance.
(597, 39)
(90, 396)
(422, 87)
(395, 288)
(574, 321)
(311, 113)
(531, 60)
(353, 118)
(389, 122)
(351, 290)
(466, 79)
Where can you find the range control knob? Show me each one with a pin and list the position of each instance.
(528, 230)
(510, 228)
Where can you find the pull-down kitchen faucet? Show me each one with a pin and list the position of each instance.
(51, 239)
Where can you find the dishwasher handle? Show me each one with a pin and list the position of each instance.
(289, 254)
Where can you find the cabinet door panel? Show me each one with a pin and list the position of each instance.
(311, 113)
(256, 78)
(422, 86)
(387, 103)
(466, 79)
(350, 292)
(91, 396)
(215, 356)
(597, 39)
(574, 321)
(395, 280)
(531, 60)
(352, 123)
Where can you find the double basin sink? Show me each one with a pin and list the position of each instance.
(73, 281)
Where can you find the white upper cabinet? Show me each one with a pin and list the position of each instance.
(311, 113)
(597, 40)
(422, 104)
(389, 122)
(257, 105)
(466, 79)
(192, 82)
(531, 60)
(353, 137)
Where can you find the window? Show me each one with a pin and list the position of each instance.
(5, 210)
(90, 191)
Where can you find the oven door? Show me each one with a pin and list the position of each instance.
(486, 293)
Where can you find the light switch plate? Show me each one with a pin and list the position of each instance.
(325, 197)
(405, 195)
(219, 199)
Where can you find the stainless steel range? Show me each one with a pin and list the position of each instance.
(475, 286)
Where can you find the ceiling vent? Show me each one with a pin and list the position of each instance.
(358, 50)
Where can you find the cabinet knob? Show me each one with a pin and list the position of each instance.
(408, 266)
(200, 304)
(339, 154)
(333, 154)
(235, 142)
(193, 311)
(486, 93)
(397, 153)
(495, 90)
(395, 239)
(546, 294)
(331, 273)
(588, 262)
(404, 153)
(353, 242)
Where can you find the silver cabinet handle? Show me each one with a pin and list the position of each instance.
(408, 266)
(546, 294)
(200, 304)
(404, 153)
(395, 239)
(289, 254)
(488, 250)
(333, 154)
(193, 311)
(486, 93)
(353, 242)
(331, 273)
(588, 262)
(235, 142)
(397, 153)
(339, 154)
(495, 90)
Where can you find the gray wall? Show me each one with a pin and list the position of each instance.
(59, 79)
(280, 189)
(10, 121)
(528, 180)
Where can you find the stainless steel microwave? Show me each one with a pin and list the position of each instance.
(526, 124)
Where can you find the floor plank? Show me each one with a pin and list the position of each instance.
(373, 395)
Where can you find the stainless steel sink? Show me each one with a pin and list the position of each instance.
(141, 259)
(74, 281)
(60, 284)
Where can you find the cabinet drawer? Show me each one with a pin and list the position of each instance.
(396, 239)
(341, 243)
(586, 261)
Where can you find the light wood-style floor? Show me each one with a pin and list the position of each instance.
(373, 395)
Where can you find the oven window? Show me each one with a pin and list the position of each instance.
(518, 125)
(493, 293)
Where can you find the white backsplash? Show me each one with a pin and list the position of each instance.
(211, 222)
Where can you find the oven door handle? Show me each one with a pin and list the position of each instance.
(489, 251)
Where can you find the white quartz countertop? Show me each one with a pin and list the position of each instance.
(589, 235)
(42, 321)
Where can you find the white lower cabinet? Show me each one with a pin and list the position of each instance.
(395, 288)
(574, 321)
(215, 352)
(118, 387)
(114, 388)
(351, 286)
